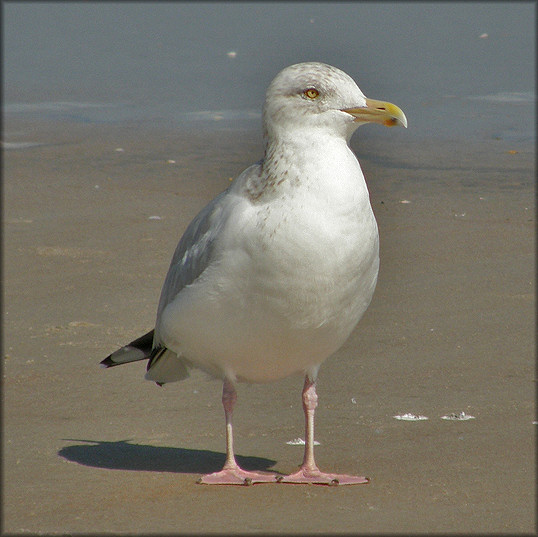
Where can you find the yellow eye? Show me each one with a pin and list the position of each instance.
(311, 93)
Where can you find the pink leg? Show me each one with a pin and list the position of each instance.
(309, 472)
(231, 473)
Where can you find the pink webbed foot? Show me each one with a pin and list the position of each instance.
(313, 476)
(237, 476)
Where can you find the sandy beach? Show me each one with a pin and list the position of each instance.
(91, 217)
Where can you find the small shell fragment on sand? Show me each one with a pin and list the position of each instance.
(300, 442)
(410, 417)
(461, 416)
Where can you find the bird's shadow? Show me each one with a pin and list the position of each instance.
(122, 455)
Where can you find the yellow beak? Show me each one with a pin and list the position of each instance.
(387, 114)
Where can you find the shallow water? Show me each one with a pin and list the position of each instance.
(457, 70)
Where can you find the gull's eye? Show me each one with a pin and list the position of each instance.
(311, 93)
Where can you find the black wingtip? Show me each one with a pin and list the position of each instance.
(107, 362)
(139, 349)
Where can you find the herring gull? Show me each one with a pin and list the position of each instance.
(273, 275)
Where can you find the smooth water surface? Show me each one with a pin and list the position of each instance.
(457, 69)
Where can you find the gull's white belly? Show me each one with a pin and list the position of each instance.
(285, 294)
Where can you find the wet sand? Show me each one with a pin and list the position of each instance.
(91, 218)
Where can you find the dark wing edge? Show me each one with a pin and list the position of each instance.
(139, 349)
(165, 365)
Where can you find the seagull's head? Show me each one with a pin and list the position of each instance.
(313, 96)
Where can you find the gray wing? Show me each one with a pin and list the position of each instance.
(194, 253)
(196, 248)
